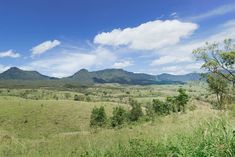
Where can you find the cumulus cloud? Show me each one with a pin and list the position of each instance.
(171, 59)
(45, 46)
(68, 62)
(177, 69)
(9, 53)
(122, 64)
(152, 35)
(178, 58)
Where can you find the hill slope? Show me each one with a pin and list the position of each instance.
(18, 74)
(113, 76)
(84, 77)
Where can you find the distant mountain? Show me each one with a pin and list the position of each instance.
(84, 77)
(180, 78)
(15, 73)
(113, 76)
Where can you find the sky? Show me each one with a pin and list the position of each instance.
(59, 37)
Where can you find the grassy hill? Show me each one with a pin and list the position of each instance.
(18, 74)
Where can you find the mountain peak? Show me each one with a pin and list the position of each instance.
(83, 70)
(14, 69)
(15, 73)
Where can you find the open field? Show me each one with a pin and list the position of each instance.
(46, 122)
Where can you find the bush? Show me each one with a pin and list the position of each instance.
(79, 97)
(98, 117)
(136, 111)
(161, 107)
(150, 112)
(182, 99)
(119, 116)
(76, 98)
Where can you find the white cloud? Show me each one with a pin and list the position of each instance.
(10, 54)
(215, 12)
(173, 14)
(181, 69)
(178, 59)
(3, 68)
(122, 64)
(45, 46)
(177, 69)
(171, 59)
(68, 62)
(152, 35)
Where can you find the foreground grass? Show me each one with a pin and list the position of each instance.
(211, 138)
(47, 123)
(50, 128)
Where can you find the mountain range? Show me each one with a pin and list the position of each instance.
(120, 76)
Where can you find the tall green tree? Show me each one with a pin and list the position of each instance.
(218, 59)
(218, 86)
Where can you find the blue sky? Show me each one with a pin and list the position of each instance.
(59, 37)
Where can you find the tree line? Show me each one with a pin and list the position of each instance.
(157, 107)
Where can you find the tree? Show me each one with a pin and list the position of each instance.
(136, 111)
(119, 116)
(218, 59)
(182, 99)
(98, 117)
(219, 86)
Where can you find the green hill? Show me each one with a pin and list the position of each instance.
(113, 76)
(15, 73)
(84, 77)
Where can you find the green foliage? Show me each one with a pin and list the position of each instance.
(172, 104)
(182, 99)
(212, 138)
(136, 111)
(218, 59)
(150, 112)
(76, 97)
(160, 107)
(219, 87)
(98, 117)
(119, 116)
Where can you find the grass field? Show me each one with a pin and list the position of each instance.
(49, 123)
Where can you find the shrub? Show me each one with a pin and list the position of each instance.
(98, 117)
(161, 107)
(76, 98)
(136, 111)
(119, 116)
(79, 97)
(150, 111)
(182, 99)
